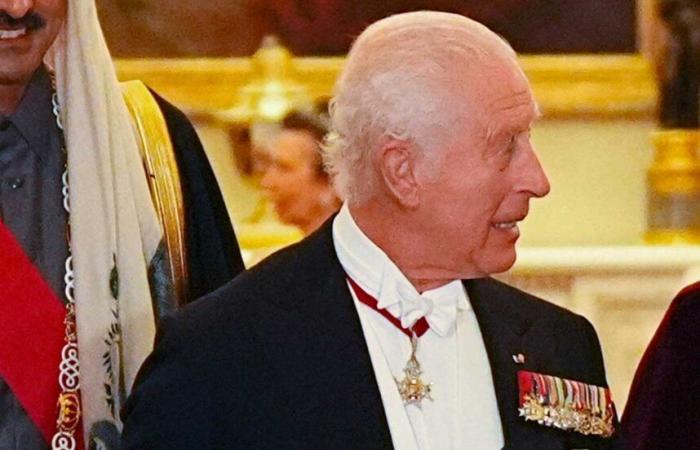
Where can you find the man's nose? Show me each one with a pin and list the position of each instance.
(16, 8)
(536, 180)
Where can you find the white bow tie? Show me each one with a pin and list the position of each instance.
(439, 306)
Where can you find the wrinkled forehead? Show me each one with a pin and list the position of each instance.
(493, 86)
(487, 76)
(491, 102)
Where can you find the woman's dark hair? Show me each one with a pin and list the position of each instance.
(313, 124)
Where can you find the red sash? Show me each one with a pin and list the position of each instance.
(31, 334)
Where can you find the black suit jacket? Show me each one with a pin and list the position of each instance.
(277, 359)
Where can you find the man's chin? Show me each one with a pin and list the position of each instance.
(499, 263)
(16, 74)
(289, 217)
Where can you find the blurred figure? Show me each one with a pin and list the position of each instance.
(678, 67)
(294, 179)
(663, 405)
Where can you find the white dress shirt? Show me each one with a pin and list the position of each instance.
(463, 413)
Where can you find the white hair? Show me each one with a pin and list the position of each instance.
(399, 82)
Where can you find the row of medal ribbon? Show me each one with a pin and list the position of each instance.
(566, 404)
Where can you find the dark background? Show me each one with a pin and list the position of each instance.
(184, 28)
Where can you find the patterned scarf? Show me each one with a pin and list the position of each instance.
(114, 227)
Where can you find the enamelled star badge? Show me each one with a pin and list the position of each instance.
(566, 404)
(412, 388)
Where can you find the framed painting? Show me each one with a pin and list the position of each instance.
(234, 28)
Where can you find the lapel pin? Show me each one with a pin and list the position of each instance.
(519, 358)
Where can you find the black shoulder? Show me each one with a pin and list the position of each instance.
(565, 339)
(537, 311)
(278, 282)
(523, 303)
(175, 118)
(687, 302)
(679, 326)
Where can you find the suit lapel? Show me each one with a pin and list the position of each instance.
(508, 330)
(324, 363)
(314, 340)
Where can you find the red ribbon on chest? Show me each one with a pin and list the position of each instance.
(31, 334)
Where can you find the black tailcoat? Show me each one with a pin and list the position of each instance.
(276, 359)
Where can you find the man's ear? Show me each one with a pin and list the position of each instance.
(397, 168)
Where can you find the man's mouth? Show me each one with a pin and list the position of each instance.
(505, 225)
(12, 34)
(15, 28)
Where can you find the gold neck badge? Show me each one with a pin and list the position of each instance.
(412, 388)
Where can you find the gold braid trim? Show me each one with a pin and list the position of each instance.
(163, 176)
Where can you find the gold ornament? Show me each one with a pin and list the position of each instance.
(412, 388)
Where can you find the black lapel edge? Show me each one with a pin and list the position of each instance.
(324, 306)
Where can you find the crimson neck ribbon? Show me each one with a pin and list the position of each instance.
(419, 328)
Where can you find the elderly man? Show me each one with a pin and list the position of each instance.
(382, 329)
(80, 266)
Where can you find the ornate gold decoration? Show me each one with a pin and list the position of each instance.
(272, 90)
(68, 410)
(69, 367)
(674, 188)
(567, 417)
(565, 404)
(564, 85)
(412, 388)
(675, 168)
(672, 237)
(163, 176)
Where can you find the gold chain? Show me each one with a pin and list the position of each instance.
(68, 379)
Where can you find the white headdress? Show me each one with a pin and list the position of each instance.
(114, 227)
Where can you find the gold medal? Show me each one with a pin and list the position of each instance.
(566, 404)
(412, 388)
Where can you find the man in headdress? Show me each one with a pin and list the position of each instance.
(85, 266)
(383, 329)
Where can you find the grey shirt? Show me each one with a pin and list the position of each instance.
(31, 166)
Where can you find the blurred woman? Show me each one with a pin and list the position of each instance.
(294, 178)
